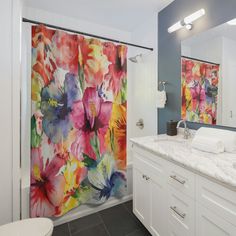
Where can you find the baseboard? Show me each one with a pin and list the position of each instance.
(86, 210)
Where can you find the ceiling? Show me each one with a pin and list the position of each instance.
(120, 14)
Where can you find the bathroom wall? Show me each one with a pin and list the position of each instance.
(229, 84)
(169, 47)
(10, 21)
(6, 112)
(144, 74)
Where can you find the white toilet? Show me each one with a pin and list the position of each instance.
(28, 227)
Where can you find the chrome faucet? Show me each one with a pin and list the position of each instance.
(186, 130)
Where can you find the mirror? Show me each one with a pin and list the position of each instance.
(208, 76)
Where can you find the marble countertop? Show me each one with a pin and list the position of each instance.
(221, 167)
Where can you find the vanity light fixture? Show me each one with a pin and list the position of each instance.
(232, 22)
(187, 21)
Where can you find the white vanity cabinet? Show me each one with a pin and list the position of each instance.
(173, 201)
(149, 193)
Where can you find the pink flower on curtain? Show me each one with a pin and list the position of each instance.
(117, 56)
(198, 97)
(47, 185)
(90, 117)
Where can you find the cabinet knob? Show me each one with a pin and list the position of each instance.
(146, 177)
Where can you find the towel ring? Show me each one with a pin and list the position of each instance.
(163, 83)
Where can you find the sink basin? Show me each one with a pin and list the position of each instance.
(173, 144)
(169, 141)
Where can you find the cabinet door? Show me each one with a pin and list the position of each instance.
(157, 215)
(209, 223)
(140, 196)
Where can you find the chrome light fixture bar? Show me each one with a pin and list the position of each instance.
(187, 21)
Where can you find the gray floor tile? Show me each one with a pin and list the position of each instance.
(84, 223)
(98, 230)
(140, 232)
(129, 206)
(61, 230)
(119, 222)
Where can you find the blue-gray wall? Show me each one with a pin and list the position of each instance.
(169, 47)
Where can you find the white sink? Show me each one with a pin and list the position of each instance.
(234, 165)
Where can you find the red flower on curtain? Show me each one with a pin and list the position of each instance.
(47, 185)
(117, 56)
(45, 64)
(66, 51)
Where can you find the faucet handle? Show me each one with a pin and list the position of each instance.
(187, 133)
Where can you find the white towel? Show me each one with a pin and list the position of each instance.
(161, 99)
(227, 137)
(208, 144)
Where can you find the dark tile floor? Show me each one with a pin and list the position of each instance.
(116, 221)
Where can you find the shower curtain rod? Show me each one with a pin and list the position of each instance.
(86, 34)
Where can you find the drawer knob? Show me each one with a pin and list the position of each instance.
(174, 177)
(175, 209)
(146, 177)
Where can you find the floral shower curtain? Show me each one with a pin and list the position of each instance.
(78, 122)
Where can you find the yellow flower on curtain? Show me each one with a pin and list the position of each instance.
(92, 61)
(36, 87)
(74, 174)
(116, 135)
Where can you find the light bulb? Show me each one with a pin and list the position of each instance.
(191, 18)
(232, 22)
(175, 27)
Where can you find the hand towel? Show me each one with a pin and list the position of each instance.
(208, 144)
(227, 137)
(161, 99)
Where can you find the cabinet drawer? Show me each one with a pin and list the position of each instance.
(181, 179)
(208, 223)
(217, 198)
(148, 156)
(150, 170)
(181, 213)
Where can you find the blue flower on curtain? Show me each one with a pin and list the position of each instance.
(56, 106)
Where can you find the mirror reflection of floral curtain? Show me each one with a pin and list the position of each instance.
(199, 90)
(78, 123)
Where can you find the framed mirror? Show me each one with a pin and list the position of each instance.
(208, 76)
